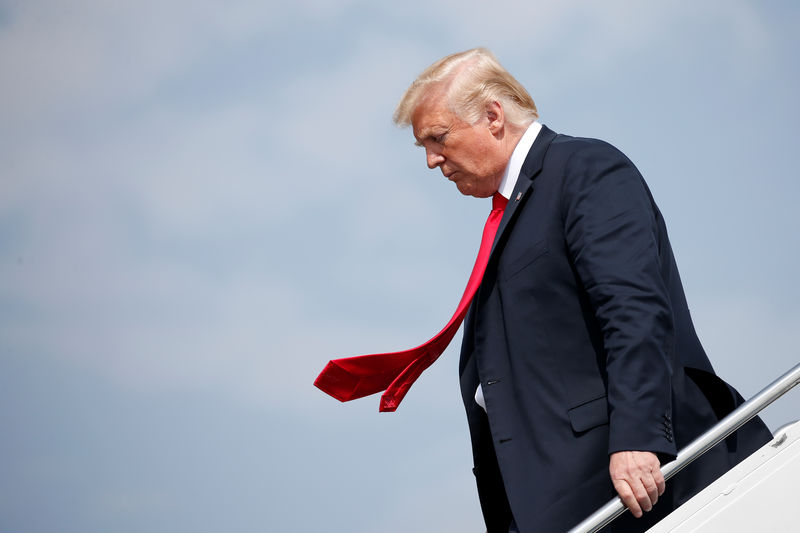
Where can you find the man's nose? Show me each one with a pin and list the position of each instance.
(434, 159)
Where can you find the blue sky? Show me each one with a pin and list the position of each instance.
(200, 205)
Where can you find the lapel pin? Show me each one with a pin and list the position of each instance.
(519, 195)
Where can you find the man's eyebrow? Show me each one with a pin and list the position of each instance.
(429, 133)
(424, 134)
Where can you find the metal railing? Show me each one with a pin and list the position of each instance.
(736, 419)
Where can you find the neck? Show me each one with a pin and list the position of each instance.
(513, 134)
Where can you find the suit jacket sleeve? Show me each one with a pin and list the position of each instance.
(613, 239)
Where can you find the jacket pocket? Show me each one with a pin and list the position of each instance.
(589, 415)
(530, 256)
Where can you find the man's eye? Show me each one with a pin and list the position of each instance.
(439, 139)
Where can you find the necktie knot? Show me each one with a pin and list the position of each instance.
(499, 202)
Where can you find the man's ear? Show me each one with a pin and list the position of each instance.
(496, 117)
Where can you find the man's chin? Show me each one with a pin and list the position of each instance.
(474, 193)
(467, 190)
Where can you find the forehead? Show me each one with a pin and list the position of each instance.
(432, 114)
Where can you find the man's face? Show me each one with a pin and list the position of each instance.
(469, 155)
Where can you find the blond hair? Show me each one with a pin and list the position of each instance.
(470, 79)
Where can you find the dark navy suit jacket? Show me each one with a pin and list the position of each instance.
(582, 341)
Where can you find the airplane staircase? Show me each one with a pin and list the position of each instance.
(759, 493)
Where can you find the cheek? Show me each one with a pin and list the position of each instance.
(483, 162)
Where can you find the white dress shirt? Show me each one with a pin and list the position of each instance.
(506, 189)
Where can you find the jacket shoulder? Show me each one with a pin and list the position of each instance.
(567, 145)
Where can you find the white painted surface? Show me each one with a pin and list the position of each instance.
(760, 493)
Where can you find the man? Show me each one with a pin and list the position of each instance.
(580, 369)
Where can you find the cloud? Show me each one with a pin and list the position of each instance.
(92, 52)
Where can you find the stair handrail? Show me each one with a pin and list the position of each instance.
(736, 419)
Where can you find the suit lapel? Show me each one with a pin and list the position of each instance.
(530, 169)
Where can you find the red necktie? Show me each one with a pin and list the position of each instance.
(355, 377)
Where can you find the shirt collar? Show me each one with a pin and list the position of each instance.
(518, 156)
